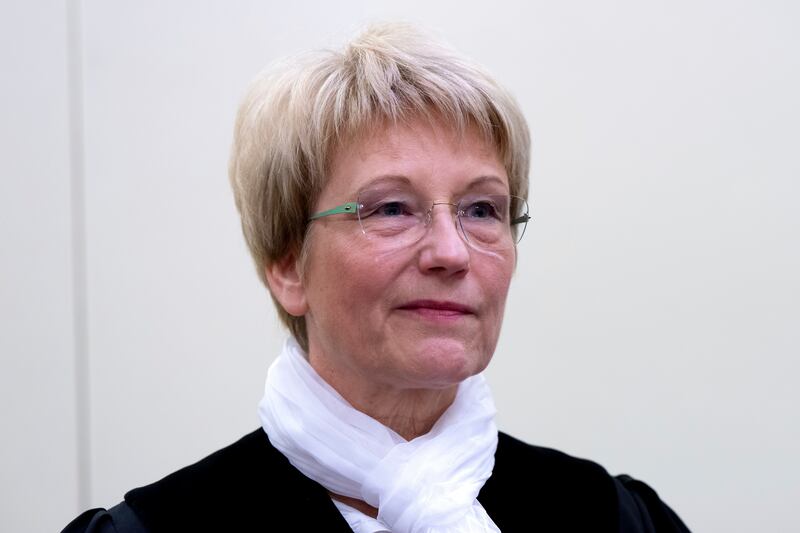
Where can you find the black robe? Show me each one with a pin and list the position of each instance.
(250, 486)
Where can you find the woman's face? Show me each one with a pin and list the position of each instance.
(424, 315)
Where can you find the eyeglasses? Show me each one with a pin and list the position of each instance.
(398, 218)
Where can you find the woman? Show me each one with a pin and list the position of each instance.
(382, 194)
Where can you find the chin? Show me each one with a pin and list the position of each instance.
(445, 363)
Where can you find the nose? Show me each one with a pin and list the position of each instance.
(443, 249)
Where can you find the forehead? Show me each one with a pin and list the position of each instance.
(433, 158)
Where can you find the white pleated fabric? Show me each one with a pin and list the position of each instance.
(358, 521)
(426, 485)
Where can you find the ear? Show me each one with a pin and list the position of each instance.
(286, 287)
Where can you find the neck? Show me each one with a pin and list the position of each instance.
(410, 412)
(364, 507)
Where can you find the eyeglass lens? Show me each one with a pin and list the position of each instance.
(397, 217)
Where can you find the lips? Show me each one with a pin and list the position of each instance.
(438, 308)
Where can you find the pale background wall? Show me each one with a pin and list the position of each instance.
(653, 321)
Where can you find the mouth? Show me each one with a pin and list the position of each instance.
(436, 309)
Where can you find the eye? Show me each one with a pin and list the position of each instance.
(392, 209)
(386, 209)
(481, 209)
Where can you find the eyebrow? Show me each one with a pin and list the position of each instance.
(400, 179)
(491, 178)
(388, 179)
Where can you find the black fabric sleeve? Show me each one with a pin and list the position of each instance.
(642, 511)
(118, 519)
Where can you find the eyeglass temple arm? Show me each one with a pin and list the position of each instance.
(520, 219)
(349, 207)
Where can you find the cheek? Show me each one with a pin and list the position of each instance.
(344, 281)
(495, 285)
(496, 277)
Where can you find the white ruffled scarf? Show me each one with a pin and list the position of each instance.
(426, 485)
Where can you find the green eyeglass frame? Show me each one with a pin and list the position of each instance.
(349, 207)
(352, 207)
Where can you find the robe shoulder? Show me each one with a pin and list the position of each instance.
(118, 519)
(246, 486)
(533, 486)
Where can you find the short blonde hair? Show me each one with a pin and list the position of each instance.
(297, 112)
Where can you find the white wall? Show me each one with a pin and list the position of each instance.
(38, 447)
(652, 324)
